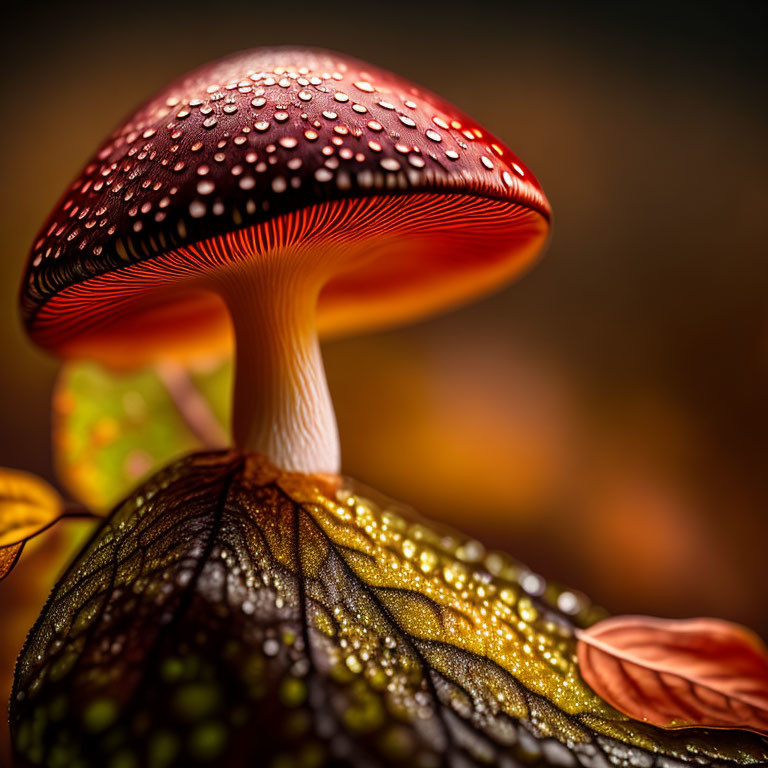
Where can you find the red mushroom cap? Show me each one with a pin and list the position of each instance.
(272, 149)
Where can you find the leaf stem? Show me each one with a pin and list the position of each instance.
(192, 406)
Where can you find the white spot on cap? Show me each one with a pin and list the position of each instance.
(197, 209)
(365, 179)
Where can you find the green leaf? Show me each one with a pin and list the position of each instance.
(229, 615)
(112, 429)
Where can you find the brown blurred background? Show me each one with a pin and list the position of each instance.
(605, 420)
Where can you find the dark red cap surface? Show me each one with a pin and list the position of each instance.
(237, 150)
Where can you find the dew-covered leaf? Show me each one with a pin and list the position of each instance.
(228, 615)
(114, 428)
(678, 673)
(28, 506)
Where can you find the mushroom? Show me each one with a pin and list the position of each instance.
(297, 192)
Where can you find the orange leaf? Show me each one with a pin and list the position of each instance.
(9, 556)
(678, 673)
(28, 506)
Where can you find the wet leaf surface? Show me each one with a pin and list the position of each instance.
(675, 673)
(113, 429)
(228, 615)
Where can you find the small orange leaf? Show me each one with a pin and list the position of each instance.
(9, 556)
(28, 506)
(678, 673)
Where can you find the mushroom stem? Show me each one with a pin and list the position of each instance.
(282, 406)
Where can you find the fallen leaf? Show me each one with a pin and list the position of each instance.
(238, 616)
(112, 429)
(28, 506)
(678, 673)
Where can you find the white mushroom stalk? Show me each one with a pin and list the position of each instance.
(282, 406)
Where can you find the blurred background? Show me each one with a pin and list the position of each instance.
(605, 419)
